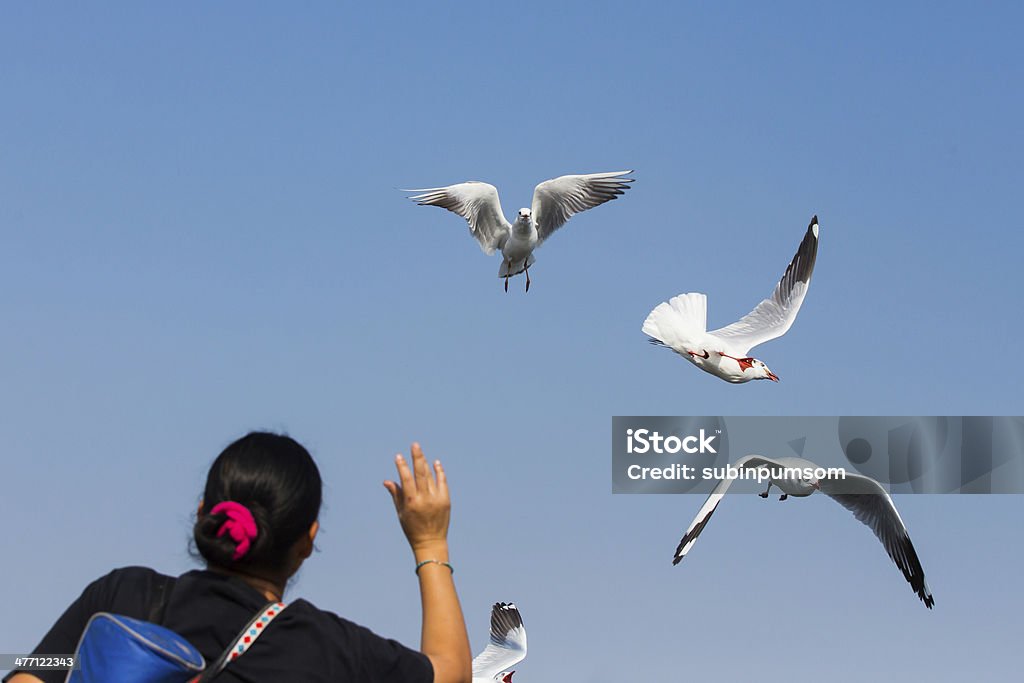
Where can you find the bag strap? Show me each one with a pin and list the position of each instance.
(158, 607)
(246, 637)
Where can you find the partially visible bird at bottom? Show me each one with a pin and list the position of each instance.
(506, 648)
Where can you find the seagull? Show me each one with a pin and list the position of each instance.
(681, 323)
(863, 496)
(506, 649)
(554, 202)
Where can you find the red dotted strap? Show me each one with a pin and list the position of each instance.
(258, 625)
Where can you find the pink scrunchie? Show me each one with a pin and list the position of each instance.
(240, 525)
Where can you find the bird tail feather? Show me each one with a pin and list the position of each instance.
(680, 318)
(517, 267)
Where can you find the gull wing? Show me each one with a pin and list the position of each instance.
(711, 504)
(556, 201)
(872, 505)
(774, 316)
(508, 642)
(476, 202)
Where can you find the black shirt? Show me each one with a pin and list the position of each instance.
(208, 609)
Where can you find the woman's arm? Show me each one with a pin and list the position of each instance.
(423, 507)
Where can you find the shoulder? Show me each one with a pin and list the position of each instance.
(133, 574)
(132, 579)
(126, 590)
(126, 577)
(305, 611)
(302, 612)
(357, 651)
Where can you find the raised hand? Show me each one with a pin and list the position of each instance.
(421, 501)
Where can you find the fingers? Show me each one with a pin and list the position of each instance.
(392, 488)
(417, 479)
(442, 480)
(404, 474)
(424, 480)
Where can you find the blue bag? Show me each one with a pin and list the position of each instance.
(119, 649)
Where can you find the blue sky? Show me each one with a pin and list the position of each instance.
(200, 234)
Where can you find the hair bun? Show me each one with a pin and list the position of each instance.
(239, 525)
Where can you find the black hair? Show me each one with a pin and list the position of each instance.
(276, 479)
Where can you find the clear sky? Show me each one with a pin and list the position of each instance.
(200, 234)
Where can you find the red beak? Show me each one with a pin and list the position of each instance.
(772, 376)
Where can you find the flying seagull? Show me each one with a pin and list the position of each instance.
(681, 323)
(506, 649)
(554, 202)
(862, 496)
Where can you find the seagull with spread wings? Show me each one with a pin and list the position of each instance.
(681, 323)
(506, 649)
(554, 203)
(863, 496)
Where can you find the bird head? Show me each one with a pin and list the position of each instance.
(811, 484)
(506, 676)
(525, 214)
(761, 371)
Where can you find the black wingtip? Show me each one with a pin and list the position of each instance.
(505, 616)
(682, 544)
(801, 267)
